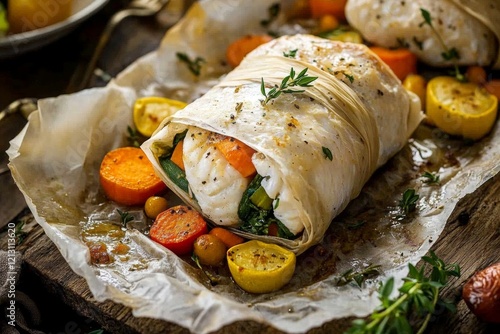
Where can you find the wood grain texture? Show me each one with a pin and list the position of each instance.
(471, 238)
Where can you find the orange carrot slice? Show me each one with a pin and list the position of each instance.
(493, 87)
(177, 155)
(476, 74)
(401, 61)
(320, 8)
(238, 154)
(127, 176)
(237, 50)
(227, 237)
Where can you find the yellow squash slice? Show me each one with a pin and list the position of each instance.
(458, 108)
(259, 267)
(149, 112)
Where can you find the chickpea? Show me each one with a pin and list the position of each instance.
(209, 249)
(154, 205)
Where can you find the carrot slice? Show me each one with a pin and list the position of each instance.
(401, 61)
(227, 237)
(177, 155)
(320, 8)
(177, 229)
(476, 74)
(238, 49)
(493, 87)
(127, 176)
(238, 154)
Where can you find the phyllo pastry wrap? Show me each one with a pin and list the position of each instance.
(469, 27)
(312, 147)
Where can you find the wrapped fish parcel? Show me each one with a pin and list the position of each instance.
(470, 27)
(314, 147)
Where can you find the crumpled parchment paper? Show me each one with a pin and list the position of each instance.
(55, 162)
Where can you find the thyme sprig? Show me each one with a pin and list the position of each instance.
(291, 53)
(19, 234)
(125, 217)
(328, 154)
(358, 276)
(194, 65)
(356, 225)
(430, 178)
(408, 202)
(302, 80)
(211, 278)
(418, 296)
(448, 54)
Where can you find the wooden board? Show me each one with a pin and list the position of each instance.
(471, 238)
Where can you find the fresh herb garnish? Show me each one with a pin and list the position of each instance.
(125, 217)
(350, 77)
(418, 297)
(409, 201)
(302, 80)
(133, 137)
(193, 65)
(358, 276)
(448, 54)
(213, 280)
(402, 43)
(356, 225)
(327, 153)
(331, 34)
(418, 43)
(430, 178)
(273, 12)
(291, 53)
(96, 331)
(19, 234)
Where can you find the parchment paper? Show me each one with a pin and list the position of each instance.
(55, 162)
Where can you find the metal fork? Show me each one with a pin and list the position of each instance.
(134, 8)
(25, 106)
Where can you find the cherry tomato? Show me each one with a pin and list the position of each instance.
(154, 206)
(177, 228)
(209, 249)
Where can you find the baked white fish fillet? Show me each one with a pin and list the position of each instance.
(357, 110)
(472, 27)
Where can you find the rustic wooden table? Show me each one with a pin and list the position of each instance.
(471, 237)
